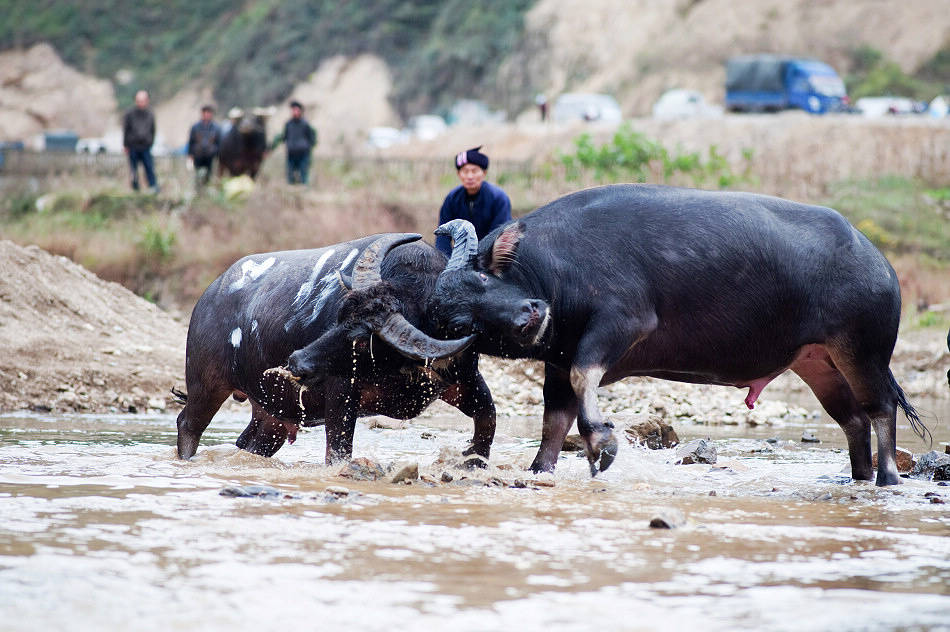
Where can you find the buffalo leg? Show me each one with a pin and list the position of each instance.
(194, 418)
(596, 431)
(871, 383)
(814, 366)
(560, 409)
(264, 435)
(341, 410)
(475, 402)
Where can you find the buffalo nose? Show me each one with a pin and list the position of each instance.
(296, 365)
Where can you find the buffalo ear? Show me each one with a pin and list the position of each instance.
(504, 249)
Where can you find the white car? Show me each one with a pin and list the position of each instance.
(680, 103)
(573, 106)
(875, 107)
(383, 137)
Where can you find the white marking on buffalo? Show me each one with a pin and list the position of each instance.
(307, 287)
(236, 337)
(251, 271)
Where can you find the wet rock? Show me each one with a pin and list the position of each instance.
(426, 478)
(668, 519)
(428, 435)
(250, 491)
(809, 436)
(573, 443)
(406, 473)
(337, 491)
(905, 461)
(363, 469)
(156, 403)
(542, 482)
(932, 466)
(446, 477)
(654, 433)
(519, 484)
(696, 451)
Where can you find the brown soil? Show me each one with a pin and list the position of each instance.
(73, 342)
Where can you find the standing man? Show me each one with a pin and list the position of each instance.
(204, 140)
(482, 203)
(138, 135)
(300, 139)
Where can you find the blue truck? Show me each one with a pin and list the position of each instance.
(768, 83)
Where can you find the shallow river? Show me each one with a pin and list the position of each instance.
(103, 528)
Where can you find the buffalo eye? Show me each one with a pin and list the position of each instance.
(483, 277)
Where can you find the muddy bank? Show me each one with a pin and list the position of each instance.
(73, 342)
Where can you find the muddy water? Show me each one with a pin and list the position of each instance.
(103, 528)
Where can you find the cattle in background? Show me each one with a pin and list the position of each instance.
(686, 285)
(348, 322)
(244, 144)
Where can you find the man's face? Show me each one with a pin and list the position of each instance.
(141, 99)
(296, 112)
(471, 177)
(207, 115)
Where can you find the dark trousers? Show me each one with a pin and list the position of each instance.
(298, 168)
(203, 168)
(143, 156)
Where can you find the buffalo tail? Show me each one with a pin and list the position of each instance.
(182, 397)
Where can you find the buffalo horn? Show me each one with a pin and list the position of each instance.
(413, 343)
(466, 244)
(366, 272)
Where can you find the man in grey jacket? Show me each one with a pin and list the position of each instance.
(138, 135)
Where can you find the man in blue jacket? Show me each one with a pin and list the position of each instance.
(482, 203)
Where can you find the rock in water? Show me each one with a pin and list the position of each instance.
(363, 469)
(932, 466)
(406, 472)
(654, 433)
(696, 451)
(905, 461)
(250, 491)
(668, 519)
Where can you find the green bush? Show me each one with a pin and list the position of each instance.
(632, 156)
(157, 243)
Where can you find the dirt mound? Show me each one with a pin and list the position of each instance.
(73, 342)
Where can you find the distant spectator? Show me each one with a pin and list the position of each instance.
(138, 135)
(204, 140)
(300, 139)
(542, 102)
(482, 203)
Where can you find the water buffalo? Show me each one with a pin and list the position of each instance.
(686, 285)
(243, 145)
(347, 321)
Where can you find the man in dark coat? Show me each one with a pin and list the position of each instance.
(138, 135)
(300, 139)
(204, 140)
(482, 203)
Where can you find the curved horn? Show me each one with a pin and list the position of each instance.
(366, 272)
(408, 340)
(466, 244)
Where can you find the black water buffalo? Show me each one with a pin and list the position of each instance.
(243, 145)
(347, 322)
(686, 285)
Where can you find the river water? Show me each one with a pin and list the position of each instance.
(103, 528)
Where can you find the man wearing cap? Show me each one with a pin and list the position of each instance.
(300, 139)
(482, 203)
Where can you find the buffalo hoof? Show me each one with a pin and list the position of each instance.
(601, 447)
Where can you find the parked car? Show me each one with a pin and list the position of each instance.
(680, 103)
(573, 106)
(383, 137)
(768, 83)
(90, 146)
(874, 107)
